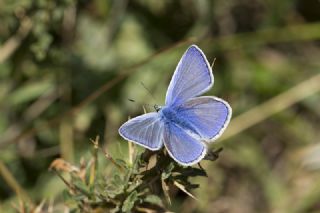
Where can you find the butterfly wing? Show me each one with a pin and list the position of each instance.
(192, 77)
(208, 115)
(145, 130)
(181, 146)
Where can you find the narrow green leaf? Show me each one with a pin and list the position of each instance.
(82, 187)
(167, 172)
(154, 199)
(133, 185)
(30, 91)
(66, 195)
(128, 204)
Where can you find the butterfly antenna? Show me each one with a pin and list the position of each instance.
(214, 60)
(143, 104)
(144, 86)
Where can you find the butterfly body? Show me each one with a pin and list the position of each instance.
(171, 115)
(187, 120)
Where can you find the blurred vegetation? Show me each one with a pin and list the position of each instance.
(142, 184)
(67, 69)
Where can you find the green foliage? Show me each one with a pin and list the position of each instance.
(45, 16)
(130, 187)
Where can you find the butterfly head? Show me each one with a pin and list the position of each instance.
(157, 107)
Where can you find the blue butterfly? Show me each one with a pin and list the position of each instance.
(187, 122)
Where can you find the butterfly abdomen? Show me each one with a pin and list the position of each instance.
(170, 116)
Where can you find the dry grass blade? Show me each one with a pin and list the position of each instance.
(165, 189)
(38, 208)
(50, 206)
(273, 106)
(93, 168)
(13, 184)
(131, 152)
(181, 187)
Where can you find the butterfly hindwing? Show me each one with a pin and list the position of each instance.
(145, 130)
(192, 77)
(181, 146)
(208, 115)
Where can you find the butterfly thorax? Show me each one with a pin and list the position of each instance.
(171, 116)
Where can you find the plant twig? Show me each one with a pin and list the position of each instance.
(107, 155)
(15, 41)
(93, 168)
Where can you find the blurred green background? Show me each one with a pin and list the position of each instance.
(68, 68)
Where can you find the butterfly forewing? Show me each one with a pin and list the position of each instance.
(145, 130)
(192, 77)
